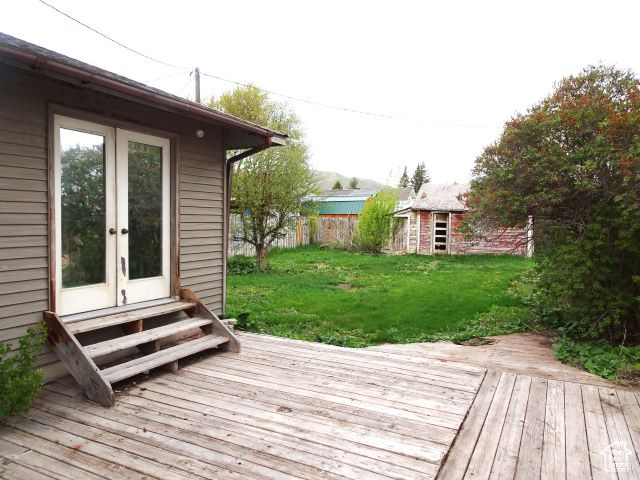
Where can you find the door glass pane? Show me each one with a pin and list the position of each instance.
(145, 210)
(82, 164)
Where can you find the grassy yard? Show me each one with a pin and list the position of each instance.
(355, 299)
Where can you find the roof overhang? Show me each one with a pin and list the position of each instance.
(238, 133)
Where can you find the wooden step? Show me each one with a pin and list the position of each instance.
(128, 341)
(142, 364)
(126, 317)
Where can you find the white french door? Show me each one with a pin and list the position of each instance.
(112, 216)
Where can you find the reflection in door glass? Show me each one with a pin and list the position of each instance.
(82, 165)
(145, 210)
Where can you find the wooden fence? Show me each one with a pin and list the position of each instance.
(327, 231)
(294, 236)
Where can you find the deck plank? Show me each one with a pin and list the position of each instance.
(577, 448)
(597, 434)
(72, 455)
(506, 458)
(289, 409)
(458, 459)
(553, 447)
(308, 408)
(485, 450)
(187, 449)
(619, 433)
(530, 456)
(343, 394)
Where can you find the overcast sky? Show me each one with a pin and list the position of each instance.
(456, 71)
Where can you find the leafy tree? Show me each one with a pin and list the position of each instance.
(145, 210)
(337, 185)
(404, 179)
(420, 176)
(375, 222)
(573, 163)
(269, 187)
(353, 183)
(83, 215)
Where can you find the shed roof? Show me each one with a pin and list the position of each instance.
(242, 134)
(440, 197)
(404, 193)
(344, 195)
(350, 207)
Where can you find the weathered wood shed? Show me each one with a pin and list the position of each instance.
(434, 226)
(113, 212)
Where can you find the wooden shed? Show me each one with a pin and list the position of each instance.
(434, 226)
(113, 213)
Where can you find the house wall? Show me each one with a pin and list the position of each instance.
(412, 243)
(426, 219)
(25, 99)
(510, 241)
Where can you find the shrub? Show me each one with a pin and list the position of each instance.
(375, 222)
(241, 265)
(572, 162)
(20, 381)
(599, 358)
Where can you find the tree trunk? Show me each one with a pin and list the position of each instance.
(261, 257)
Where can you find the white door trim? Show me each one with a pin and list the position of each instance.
(87, 297)
(142, 289)
(108, 294)
(433, 232)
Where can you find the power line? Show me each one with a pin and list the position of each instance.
(111, 39)
(186, 84)
(270, 92)
(167, 76)
(304, 100)
(344, 109)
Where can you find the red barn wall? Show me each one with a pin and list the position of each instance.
(425, 232)
(511, 241)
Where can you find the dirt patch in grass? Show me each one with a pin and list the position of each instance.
(478, 341)
(346, 286)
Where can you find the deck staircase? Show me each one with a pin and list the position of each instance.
(97, 382)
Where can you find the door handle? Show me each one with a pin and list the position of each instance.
(124, 231)
(113, 231)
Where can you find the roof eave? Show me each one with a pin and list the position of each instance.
(43, 62)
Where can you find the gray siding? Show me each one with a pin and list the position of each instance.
(201, 219)
(24, 284)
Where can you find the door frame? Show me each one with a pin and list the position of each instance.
(54, 109)
(433, 233)
(102, 294)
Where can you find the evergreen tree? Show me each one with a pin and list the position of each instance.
(353, 183)
(420, 176)
(337, 185)
(404, 179)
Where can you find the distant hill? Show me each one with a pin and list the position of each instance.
(326, 180)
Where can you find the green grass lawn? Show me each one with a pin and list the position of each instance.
(355, 299)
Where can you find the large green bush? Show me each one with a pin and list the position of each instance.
(20, 381)
(572, 162)
(375, 223)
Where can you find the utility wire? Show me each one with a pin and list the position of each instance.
(344, 109)
(111, 39)
(289, 97)
(168, 76)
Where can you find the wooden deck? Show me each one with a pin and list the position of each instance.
(289, 409)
